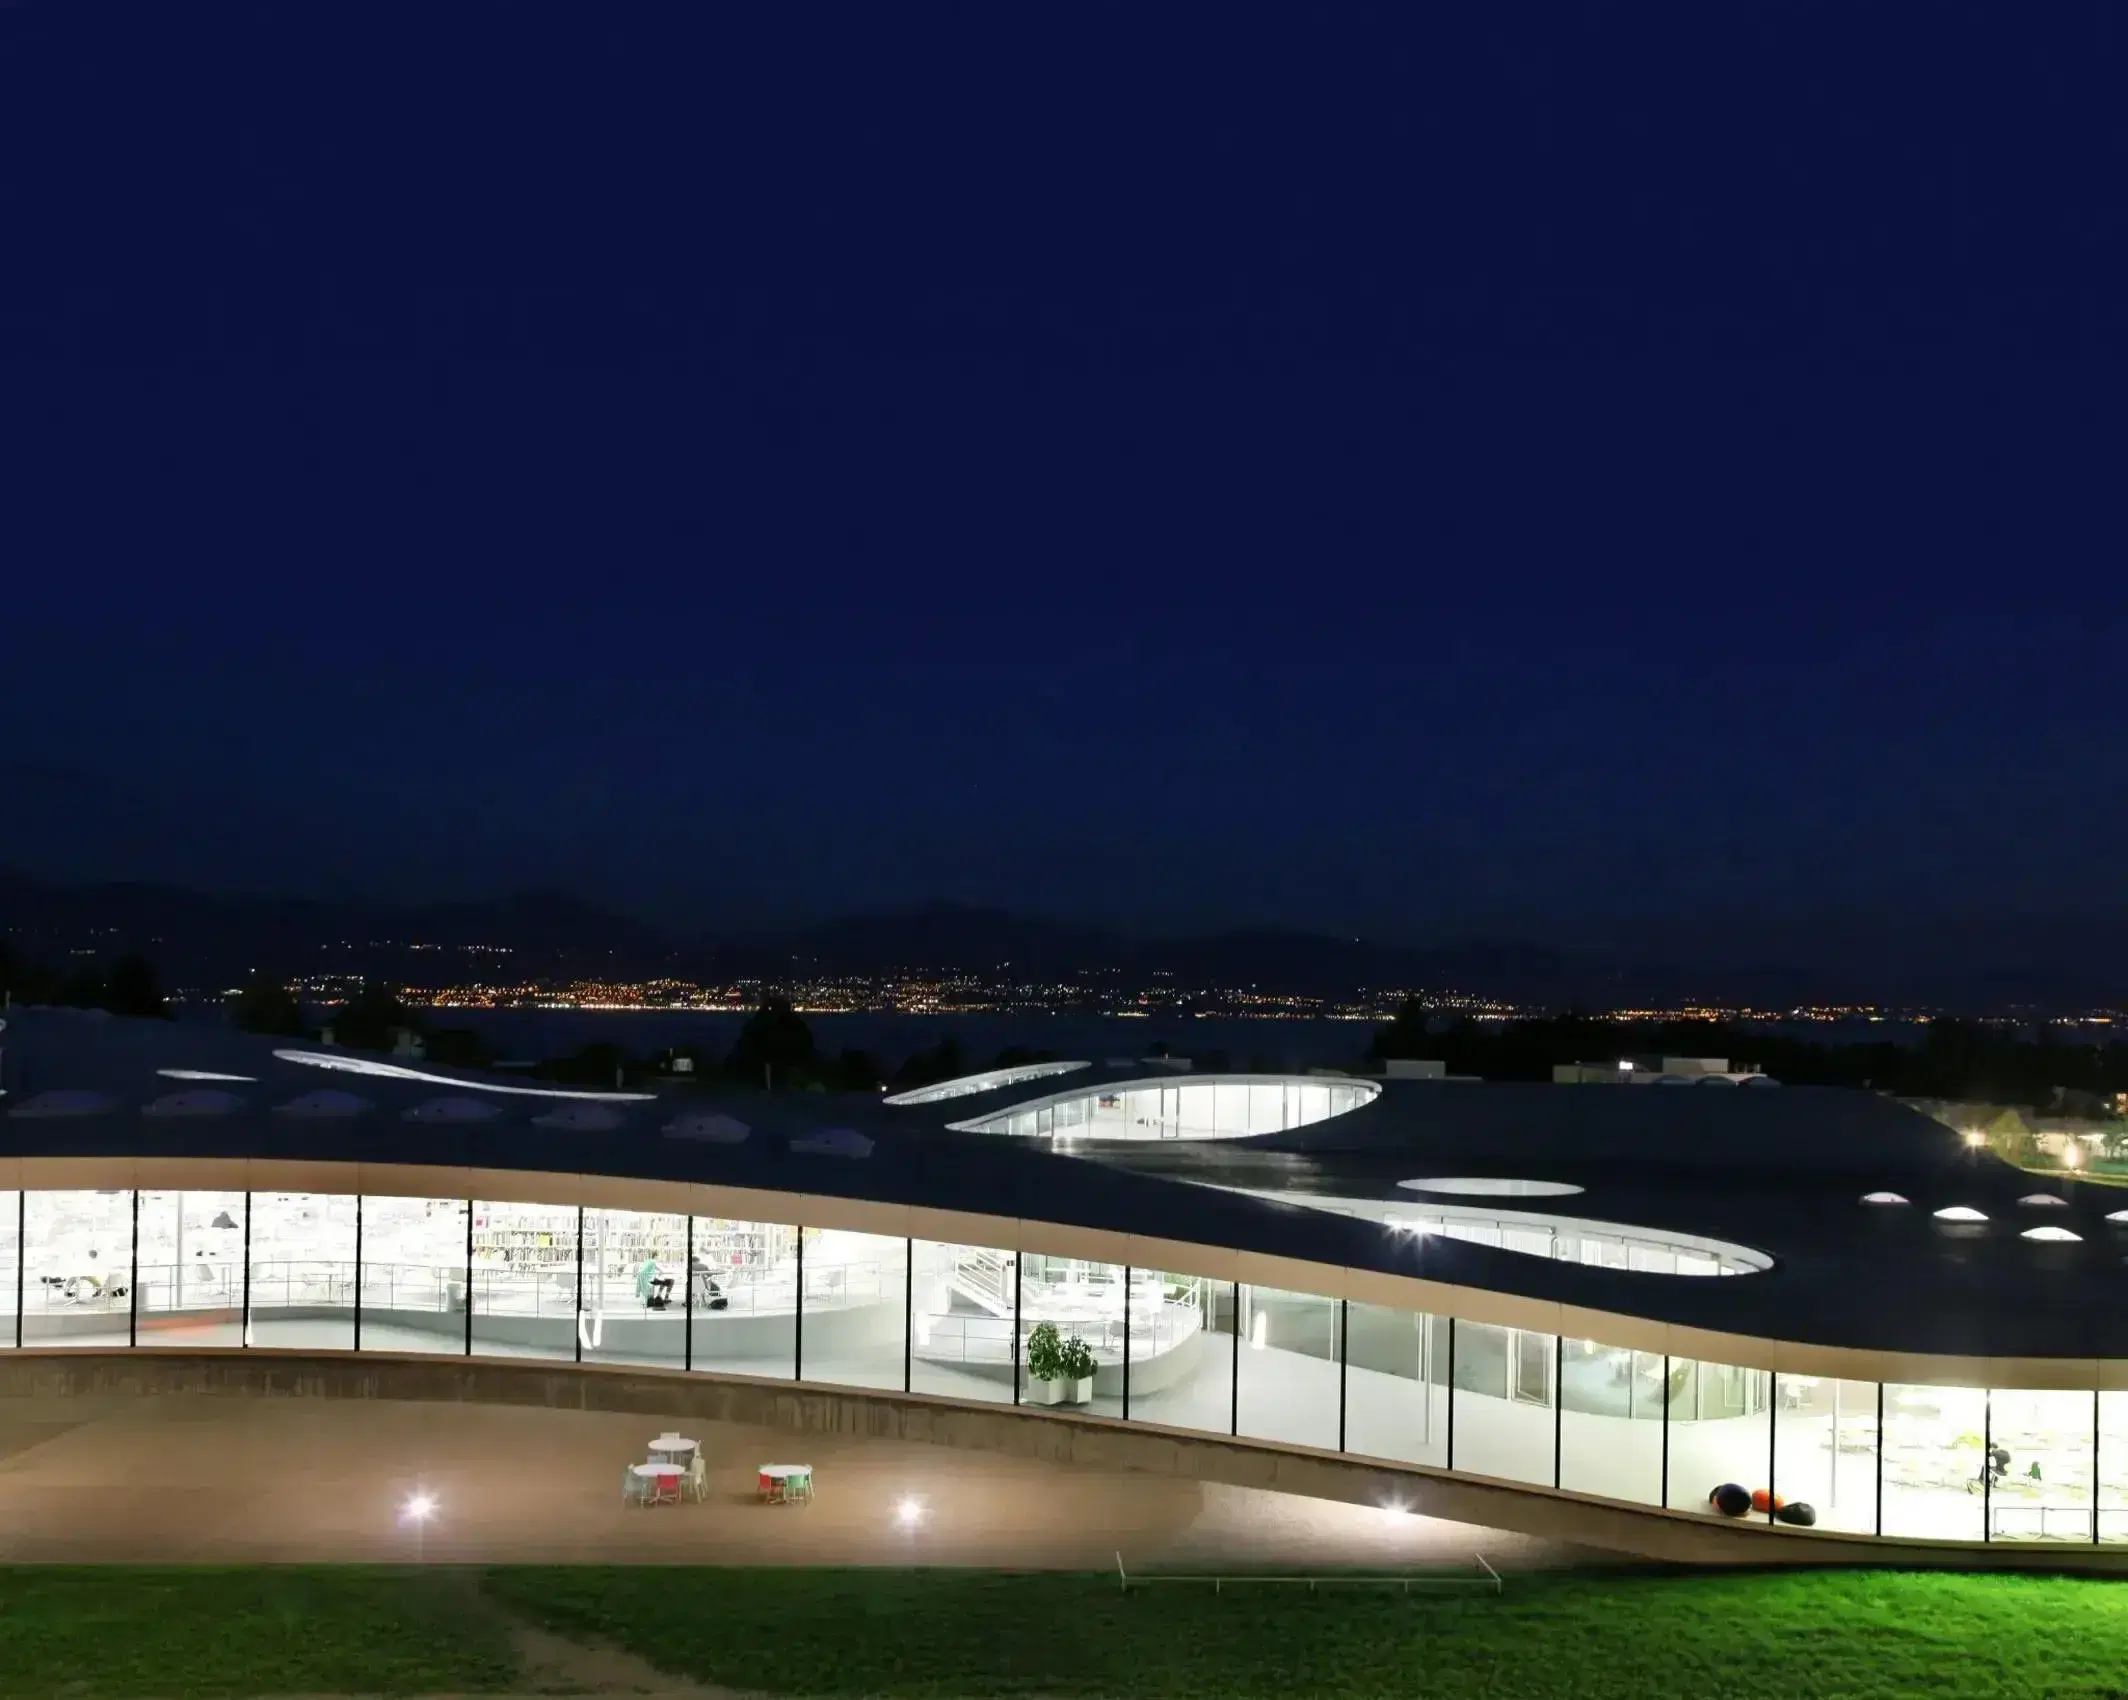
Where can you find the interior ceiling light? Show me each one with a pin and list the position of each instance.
(1960, 1213)
(1883, 1198)
(394, 1071)
(2050, 1232)
(2044, 1200)
(201, 1074)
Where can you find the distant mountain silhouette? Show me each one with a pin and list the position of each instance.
(205, 940)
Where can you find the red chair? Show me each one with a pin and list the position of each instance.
(665, 1491)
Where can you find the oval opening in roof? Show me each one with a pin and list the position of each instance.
(1491, 1186)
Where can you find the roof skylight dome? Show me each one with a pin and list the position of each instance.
(1960, 1213)
(2044, 1201)
(1884, 1198)
(2050, 1232)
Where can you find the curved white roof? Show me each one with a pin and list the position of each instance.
(967, 1085)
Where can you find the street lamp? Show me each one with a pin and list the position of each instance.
(420, 1507)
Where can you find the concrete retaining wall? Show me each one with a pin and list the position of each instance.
(1023, 1432)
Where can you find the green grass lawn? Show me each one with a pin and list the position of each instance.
(1588, 1637)
(129, 1634)
(120, 1632)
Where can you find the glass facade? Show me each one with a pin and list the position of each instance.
(2113, 1466)
(634, 1307)
(1086, 1302)
(856, 1294)
(1611, 1411)
(1396, 1384)
(1503, 1403)
(1935, 1441)
(742, 1305)
(1187, 1379)
(524, 1280)
(303, 1258)
(77, 1269)
(10, 1264)
(192, 1269)
(1289, 1360)
(414, 1274)
(309, 1271)
(1721, 1432)
(1825, 1449)
(963, 1320)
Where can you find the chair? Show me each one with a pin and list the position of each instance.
(798, 1486)
(633, 1486)
(770, 1488)
(696, 1481)
(665, 1490)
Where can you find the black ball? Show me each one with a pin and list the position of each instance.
(1802, 1514)
(1731, 1500)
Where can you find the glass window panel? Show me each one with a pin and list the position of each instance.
(414, 1274)
(962, 1326)
(745, 1280)
(1610, 1422)
(191, 1269)
(635, 1288)
(1082, 1301)
(302, 1271)
(1503, 1402)
(1289, 1358)
(856, 1298)
(10, 1262)
(1187, 1381)
(1934, 1439)
(524, 1280)
(77, 1277)
(2113, 1466)
(1720, 1431)
(1825, 1449)
(1396, 1384)
(2042, 1487)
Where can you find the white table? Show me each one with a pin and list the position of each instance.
(671, 1449)
(776, 1479)
(659, 1470)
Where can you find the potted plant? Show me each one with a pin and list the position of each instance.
(1061, 1370)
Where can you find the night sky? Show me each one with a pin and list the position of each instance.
(1591, 478)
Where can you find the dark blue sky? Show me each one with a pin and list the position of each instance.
(1584, 478)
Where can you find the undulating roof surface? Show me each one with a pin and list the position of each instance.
(1782, 1171)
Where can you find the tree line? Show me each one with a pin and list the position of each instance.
(1979, 1061)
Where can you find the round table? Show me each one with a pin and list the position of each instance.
(779, 1480)
(672, 1449)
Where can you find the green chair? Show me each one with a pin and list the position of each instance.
(633, 1486)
